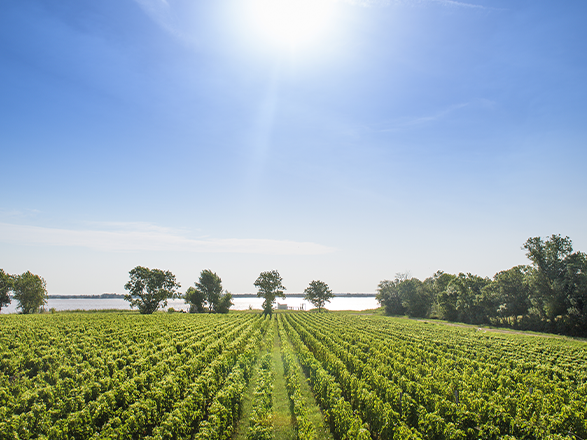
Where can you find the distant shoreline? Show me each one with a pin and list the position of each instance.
(301, 295)
(235, 295)
(102, 296)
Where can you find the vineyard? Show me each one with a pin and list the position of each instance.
(178, 376)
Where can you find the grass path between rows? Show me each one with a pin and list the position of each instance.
(314, 413)
(283, 419)
(242, 428)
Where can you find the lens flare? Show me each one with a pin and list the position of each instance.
(291, 22)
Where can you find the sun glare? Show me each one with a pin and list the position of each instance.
(291, 23)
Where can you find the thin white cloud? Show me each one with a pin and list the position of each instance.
(160, 11)
(458, 4)
(452, 3)
(403, 123)
(120, 237)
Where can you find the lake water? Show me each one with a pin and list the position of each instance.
(337, 303)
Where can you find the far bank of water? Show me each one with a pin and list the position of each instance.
(337, 303)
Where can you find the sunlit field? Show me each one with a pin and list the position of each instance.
(297, 375)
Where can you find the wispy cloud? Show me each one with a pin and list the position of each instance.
(119, 237)
(459, 4)
(451, 3)
(162, 13)
(410, 122)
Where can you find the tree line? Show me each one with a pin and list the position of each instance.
(548, 295)
(149, 290)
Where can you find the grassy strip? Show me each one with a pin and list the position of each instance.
(305, 429)
(283, 426)
(313, 414)
(345, 424)
(224, 412)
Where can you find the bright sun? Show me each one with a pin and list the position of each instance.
(292, 23)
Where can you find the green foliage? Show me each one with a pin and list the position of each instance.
(405, 295)
(558, 282)
(509, 293)
(344, 422)
(225, 303)
(269, 285)
(261, 421)
(412, 380)
(6, 282)
(176, 376)
(416, 297)
(207, 295)
(150, 289)
(293, 377)
(196, 299)
(318, 293)
(550, 295)
(210, 285)
(463, 300)
(123, 375)
(30, 291)
(389, 297)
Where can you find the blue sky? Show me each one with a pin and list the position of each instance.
(403, 136)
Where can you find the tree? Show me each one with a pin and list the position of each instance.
(508, 294)
(446, 302)
(406, 295)
(196, 299)
(208, 294)
(269, 285)
(318, 293)
(30, 291)
(437, 284)
(416, 297)
(6, 282)
(558, 282)
(388, 296)
(225, 303)
(149, 289)
(462, 299)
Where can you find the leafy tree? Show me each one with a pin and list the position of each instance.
(196, 299)
(30, 291)
(149, 289)
(388, 295)
(437, 284)
(208, 294)
(558, 281)
(225, 303)
(210, 285)
(269, 285)
(406, 295)
(318, 293)
(509, 293)
(462, 300)
(447, 302)
(416, 297)
(548, 258)
(6, 282)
